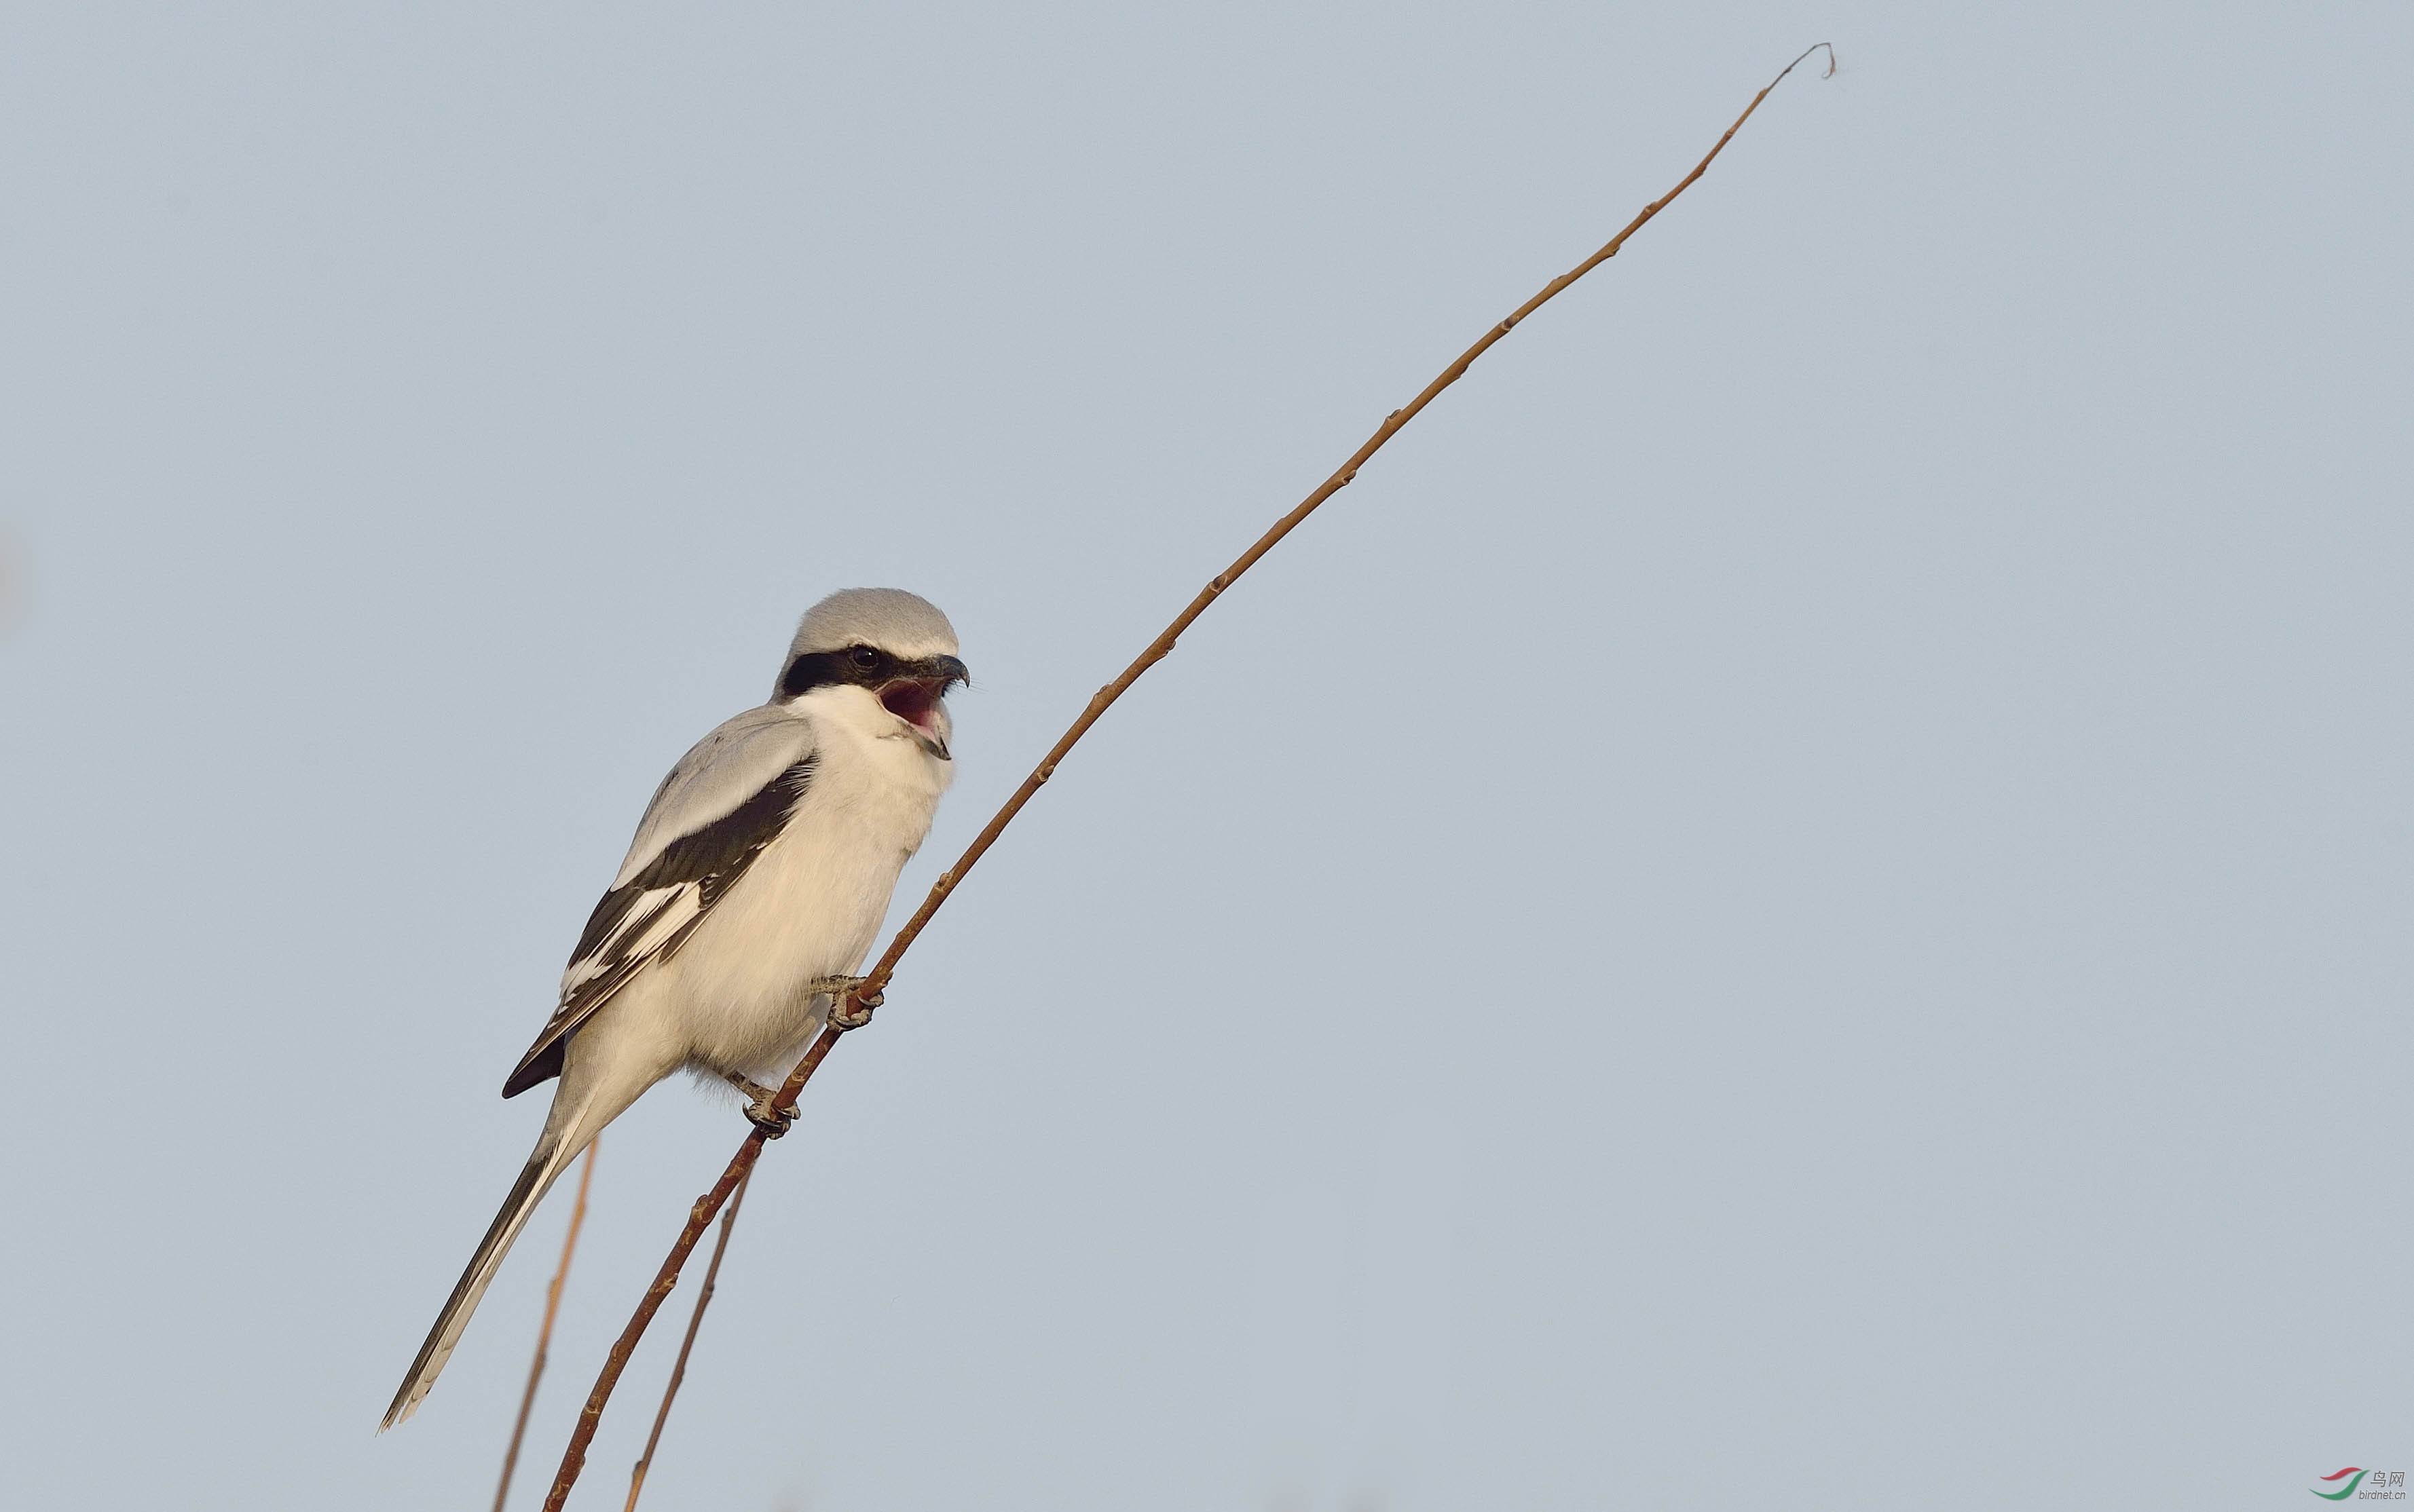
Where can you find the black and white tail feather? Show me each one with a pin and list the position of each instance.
(536, 1178)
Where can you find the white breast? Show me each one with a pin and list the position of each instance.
(812, 904)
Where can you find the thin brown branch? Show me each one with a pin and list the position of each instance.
(1342, 477)
(854, 1004)
(574, 1458)
(694, 1321)
(545, 1333)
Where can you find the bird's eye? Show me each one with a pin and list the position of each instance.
(864, 657)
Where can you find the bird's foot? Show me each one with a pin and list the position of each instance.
(846, 1012)
(773, 1121)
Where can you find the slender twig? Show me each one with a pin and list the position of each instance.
(853, 1007)
(694, 1321)
(545, 1333)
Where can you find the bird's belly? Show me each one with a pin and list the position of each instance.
(809, 908)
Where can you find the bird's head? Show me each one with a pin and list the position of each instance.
(894, 646)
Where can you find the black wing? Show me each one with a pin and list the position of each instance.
(648, 917)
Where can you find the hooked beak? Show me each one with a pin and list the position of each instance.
(915, 698)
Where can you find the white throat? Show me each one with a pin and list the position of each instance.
(859, 712)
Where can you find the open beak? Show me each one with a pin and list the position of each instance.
(915, 698)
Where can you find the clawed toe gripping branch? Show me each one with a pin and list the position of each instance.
(852, 1002)
(850, 1009)
(762, 1105)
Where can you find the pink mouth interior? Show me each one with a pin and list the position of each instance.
(912, 700)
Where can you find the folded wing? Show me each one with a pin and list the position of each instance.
(719, 808)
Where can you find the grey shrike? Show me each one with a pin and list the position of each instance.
(758, 877)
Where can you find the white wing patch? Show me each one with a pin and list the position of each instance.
(651, 914)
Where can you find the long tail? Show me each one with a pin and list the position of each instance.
(554, 1153)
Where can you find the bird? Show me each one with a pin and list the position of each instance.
(758, 878)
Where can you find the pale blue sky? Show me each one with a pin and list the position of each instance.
(1799, 899)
